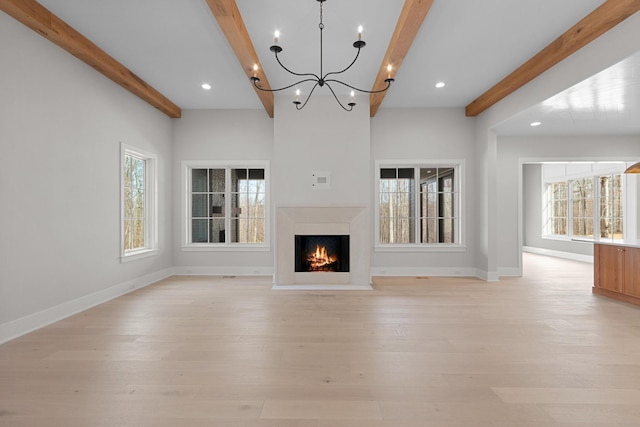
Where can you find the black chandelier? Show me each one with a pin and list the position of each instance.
(321, 79)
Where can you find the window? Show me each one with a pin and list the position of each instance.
(558, 206)
(397, 205)
(610, 206)
(426, 214)
(227, 205)
(582, 207)
(585, 207)
(138, 209)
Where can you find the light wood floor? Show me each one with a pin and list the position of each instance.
(212, 351)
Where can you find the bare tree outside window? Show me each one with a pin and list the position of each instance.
(610, 204)
(557, 206)
(434, 220)
(571, 207)
(134, 202)
(233, 212)
(397, 204)
(437, 209)
(248, 208)
(582, 204)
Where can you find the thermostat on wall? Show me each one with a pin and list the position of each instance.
(321, 180)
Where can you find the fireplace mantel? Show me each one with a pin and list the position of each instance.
(350, 220)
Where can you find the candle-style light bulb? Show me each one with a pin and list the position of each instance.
(360, 32)
(255, 69)
(276, 36)
(353, 95)
(389, 68)
(297, 95)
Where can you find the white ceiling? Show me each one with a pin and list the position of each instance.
(176, 45)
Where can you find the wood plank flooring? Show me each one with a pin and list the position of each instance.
(446, 352)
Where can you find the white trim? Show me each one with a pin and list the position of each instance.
(222, 271)
(509, 271)
(185, 210)
(419, 247)
(225, 247)
(32, 322)
(559, 254)
(459, 207)
(322, 288)
(488, 276)
(425, 271)
(150, 208)
(139, 254)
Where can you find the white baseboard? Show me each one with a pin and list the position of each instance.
(510, 272)
(32, 322)
(322, 288)
(424, 271)
(559, 254)
(487, 276)
(222, 271)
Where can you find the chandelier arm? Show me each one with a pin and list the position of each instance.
(300, 107)
(387, 81)
(336, 97)
(294, 73)
(255, 83)
(340, 72)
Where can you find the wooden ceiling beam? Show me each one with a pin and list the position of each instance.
(228, 16)
(598, 22)
(411, 18)
(40, 19)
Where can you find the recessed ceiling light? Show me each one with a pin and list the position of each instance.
(440, 85)
(534, 124)
(206, 86)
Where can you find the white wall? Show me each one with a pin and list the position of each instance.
(218, 135)
(512, 153)
(321, 137)
(430, 135)
(610, 48)
(61, 125)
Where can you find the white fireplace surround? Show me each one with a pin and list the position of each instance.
(322, 220)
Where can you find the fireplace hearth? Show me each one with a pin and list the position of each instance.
(351, 221)
(321, 253)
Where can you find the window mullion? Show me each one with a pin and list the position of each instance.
(595, 182)
(416, 205)
(146, 204)
(227, 204)
(209, 213)
(570, 208)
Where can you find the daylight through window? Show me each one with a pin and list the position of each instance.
(227, 205)
(589, 207)
(134, 202)
(138, 211)
(427, 213)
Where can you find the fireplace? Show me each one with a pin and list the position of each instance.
(321, 253)
(344, 223)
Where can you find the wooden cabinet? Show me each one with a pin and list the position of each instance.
(617, 272)
(608, 267)
(632, 272)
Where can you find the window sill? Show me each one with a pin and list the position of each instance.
(443, 247)
(225, 248)
(139, 254)
(588, 240)
(568, 239)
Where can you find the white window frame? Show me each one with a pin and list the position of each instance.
(594, 176)
(187, 166)
(150, 205)
(459, 168)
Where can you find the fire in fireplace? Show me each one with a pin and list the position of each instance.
(321, 253)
